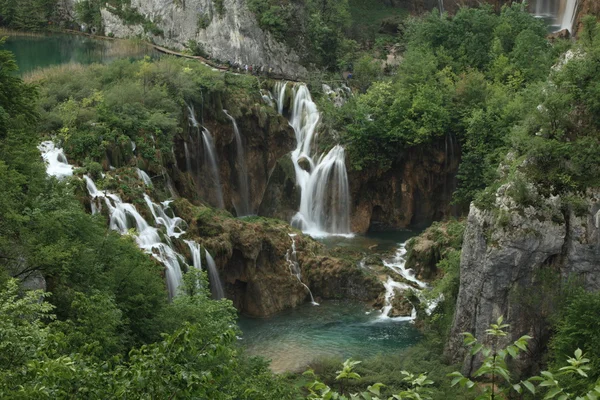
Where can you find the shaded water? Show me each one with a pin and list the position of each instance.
(33, 52)
(339, 329)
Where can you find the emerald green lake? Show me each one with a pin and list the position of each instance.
(339, 329)
(33, 52)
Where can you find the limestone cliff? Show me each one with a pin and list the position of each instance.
(228, 32)
(515, 257)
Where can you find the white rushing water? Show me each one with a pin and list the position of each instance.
(209, 155)
(243, 207)
(559, 13)
(398, 265)
(322, 178)
(125, 219)
(292, 259)
(56, 162)
(144, 177)
(195, 252)
(216, 287)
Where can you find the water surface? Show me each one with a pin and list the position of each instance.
(41, 51)
(341, 329)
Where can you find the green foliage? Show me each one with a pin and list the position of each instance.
(579, 328)
(88, 12)
(494, 366)
(495, 370)
(31, 15)
(460, 84)
(416, 386)
(220, 7)
(314, 29)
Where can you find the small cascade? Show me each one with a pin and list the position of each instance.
(125, 219)
(216, 287)
(209, 155)
(323, 180)
(390, 292)
(292, 259)
(196, 255)
(56, 162)
(280, 91)
(144, 177)
(159, 212)
(243, 208)
(397, 264)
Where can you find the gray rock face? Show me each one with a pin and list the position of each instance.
(232, 35)
(506, 254)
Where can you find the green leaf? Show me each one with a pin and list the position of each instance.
(552, 393)
(529, 386)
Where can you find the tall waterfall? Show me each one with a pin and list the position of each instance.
(216, 287)
(568, 18)
(559, 13)
(209, 155)
(124, 217)
(323, 180)
(243, 206)
(292, 260)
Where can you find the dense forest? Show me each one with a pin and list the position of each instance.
(523, 109)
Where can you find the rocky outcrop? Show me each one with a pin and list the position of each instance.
(416, 189)
(337, 278)
(514, 258)
(425, 251)
(252, 256)
(226, 30)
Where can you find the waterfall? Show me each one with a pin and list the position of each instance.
(323, 180)
(568, 17)
(209, 155)
(196, 255)
(124, 217)
(144, 177)
(292, 260)
(243, 207)
(559, 13)
(397, 264)
(216, 287)
(55, 160)
(280, 90)
(159, 212)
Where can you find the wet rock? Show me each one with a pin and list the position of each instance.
(304, 164)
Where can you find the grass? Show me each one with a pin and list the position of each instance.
(12, 32)
(43, 74)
